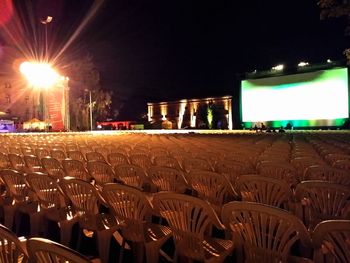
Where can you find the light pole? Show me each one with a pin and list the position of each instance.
(45, 22)
(66, 105)
(90, 107)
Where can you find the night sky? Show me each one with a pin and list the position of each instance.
(163, 50)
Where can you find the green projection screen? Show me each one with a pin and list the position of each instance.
(310, 99)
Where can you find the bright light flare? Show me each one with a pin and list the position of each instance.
(278, 67)
(39, 75)
(303, 64)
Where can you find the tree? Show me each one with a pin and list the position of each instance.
(85, 77)
(336, 9)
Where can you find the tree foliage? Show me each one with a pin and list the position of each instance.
(336, 9)
(85, 78)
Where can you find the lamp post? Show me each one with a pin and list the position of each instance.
(90, 107)
(66, 103)
(45, 22)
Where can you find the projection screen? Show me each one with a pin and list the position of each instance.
(310, 99)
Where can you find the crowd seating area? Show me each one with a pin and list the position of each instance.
(133, 197)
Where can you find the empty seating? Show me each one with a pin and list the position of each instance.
(132, 208)
(46, 251)
(12, 250)
(132, 175)
(167, 179)
(190, 164)
(331, 241)
(117, 158)
(323, 201)
(265, 190)
(190, 220)
(212, 187)
(265, 233)
(86, 202)
(53, 167)
(75, 168)
(101, 172)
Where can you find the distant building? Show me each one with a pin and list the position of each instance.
(22, 103)
(215, 113)
(16, 103)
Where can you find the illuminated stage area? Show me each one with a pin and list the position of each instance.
(312, 99)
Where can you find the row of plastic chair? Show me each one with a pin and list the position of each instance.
(258, 231)
(255, 151)
(217, 188)
(13, 250)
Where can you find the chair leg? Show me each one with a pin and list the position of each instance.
(66, 231)
(9, 213)
(139, 251)
(121, 255)
(36, 223)
(152, 252)
(104, 241)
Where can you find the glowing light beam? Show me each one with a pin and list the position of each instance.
(39, 74)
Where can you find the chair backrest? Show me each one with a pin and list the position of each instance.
(325, 200)
(333, 157)
(331, 241)
(4, 161)
(266, 190)
(15, 150)
(76, 155)
(42, 152)
(279, 171)
(46, 189)
(115, 158)
(189, 164)
(190, 219)
(16, 161)
(11, 248)
(100, 171)
(71, 147)
(95, 156)
(342, 164)
(327, 173)
(130, 206)
(75, 168)
(211, 186)
(142, 160)
(58, 154)
(43, 250)
(167, 161)
(83, 195)
(26, 150)
(265, 232)
(233, 169)
(104, 151)
(130, 174)
(53, 167)
(302, 163)
(32, 162)
(15, 184)
(167, 179)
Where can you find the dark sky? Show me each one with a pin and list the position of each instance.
(166, 49)
(160, 50)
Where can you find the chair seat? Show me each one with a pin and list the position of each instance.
(217, 248)
(294, 259)
(156, 232)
